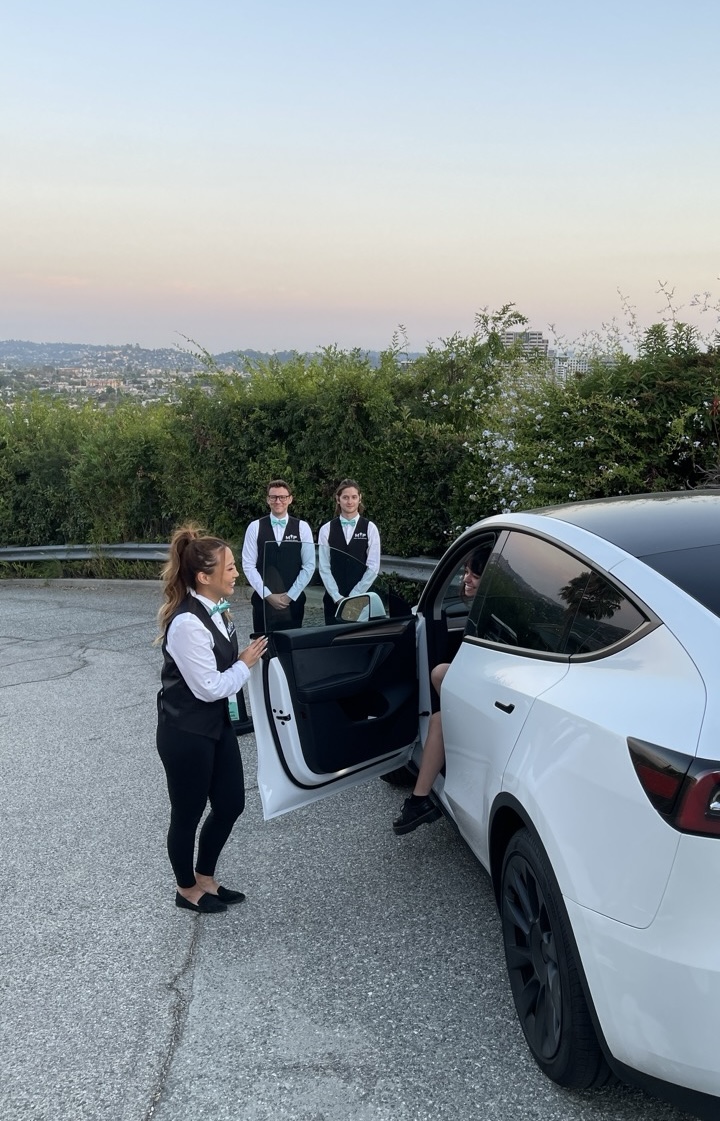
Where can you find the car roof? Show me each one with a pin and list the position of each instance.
(644, 524)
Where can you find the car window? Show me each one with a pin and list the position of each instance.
(693, 570)
(461, 588)
(535, 596)
(604, 616)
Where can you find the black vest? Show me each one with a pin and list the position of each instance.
(348, 559)
(279, 564)
(177, 704)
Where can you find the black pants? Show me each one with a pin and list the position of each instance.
(267, 619)
(199, 770)
(330, 608)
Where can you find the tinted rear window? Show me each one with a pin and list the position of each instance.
(693, 570)
(537, 597)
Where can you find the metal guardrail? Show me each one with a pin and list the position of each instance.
(410, 568)
(83, 552)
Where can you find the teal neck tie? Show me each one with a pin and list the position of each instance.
(348, 521)
(278, 521)
(223, 605)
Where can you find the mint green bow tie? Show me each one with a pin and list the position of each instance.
(278, 521)
(348, 521)
(223, 605)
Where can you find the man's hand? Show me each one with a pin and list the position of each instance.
(278, 600)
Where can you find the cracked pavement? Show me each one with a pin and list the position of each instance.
(363, 980)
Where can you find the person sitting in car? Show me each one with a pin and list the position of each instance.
(419, 808)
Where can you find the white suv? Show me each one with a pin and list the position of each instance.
(581, 720)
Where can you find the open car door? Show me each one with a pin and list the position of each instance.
(333, 704)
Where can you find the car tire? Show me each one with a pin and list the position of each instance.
(402, 776)
(543, 973)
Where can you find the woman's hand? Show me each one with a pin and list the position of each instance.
(254, 652)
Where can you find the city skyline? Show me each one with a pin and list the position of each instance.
(290, 177)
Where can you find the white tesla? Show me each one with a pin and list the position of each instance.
(581, 721)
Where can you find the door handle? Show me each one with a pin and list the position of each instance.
(505, 708)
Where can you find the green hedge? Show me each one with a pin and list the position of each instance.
(464, 431)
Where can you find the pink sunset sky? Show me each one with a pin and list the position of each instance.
(293, 175)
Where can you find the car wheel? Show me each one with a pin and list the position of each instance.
(543, 973)
(402, 776)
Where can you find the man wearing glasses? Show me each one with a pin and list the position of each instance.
(278, 559)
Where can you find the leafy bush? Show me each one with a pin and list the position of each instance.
(468, 429)
(39, 442)
(638, 424)
(116, 476)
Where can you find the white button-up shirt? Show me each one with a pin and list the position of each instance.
(250, 559)
(372, 562)
(190, 645)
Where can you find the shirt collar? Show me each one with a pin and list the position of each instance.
(209, 603)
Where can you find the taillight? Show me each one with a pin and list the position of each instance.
(699, 809)
(684, 790)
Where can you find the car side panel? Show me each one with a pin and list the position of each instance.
(656, 990)
(487, 695)
(610, 850)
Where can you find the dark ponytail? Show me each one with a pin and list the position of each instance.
(190, 552)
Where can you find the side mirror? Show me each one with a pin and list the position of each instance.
(359, 609)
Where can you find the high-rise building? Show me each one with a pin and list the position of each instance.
(568, 365)
(534, 344)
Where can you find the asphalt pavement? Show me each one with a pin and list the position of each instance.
(363, 979)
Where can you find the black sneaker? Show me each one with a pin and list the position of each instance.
(416, 811)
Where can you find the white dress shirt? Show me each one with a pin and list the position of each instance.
(250, 558)
(190, 645)
(372, 562)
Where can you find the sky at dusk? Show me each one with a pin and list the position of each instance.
(294, 174)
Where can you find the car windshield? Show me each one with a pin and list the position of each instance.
(693, 570)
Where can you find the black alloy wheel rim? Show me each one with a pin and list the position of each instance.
(531, 952)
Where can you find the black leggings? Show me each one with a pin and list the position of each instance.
(199, 769)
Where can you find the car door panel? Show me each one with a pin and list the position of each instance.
(323, 675)
(332, 706)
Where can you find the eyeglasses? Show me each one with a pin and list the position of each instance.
(278, 497)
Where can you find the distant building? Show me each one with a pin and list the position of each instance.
(534, 344)
(568, 366)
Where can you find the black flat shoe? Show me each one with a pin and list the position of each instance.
(225, 895)
(207, 904)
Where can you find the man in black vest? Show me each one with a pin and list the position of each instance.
(278, 559)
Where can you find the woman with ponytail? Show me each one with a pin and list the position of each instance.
(201, 676)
